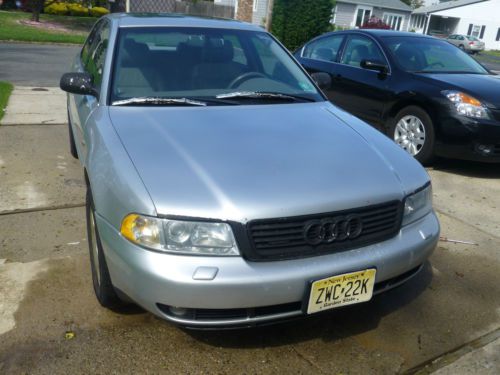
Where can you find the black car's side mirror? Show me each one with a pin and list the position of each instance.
(78, 83)
(378, 66)
(322, 79)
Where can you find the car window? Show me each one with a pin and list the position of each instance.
(461, 38)
(324, 49)
(428, 55)
(452, 37)
(361, 48)
(97, 55)
(183, 62)
(86, 50)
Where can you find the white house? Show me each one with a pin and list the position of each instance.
(480, 18)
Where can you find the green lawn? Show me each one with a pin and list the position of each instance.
(5, 90)
(492, 53)
(10, 29)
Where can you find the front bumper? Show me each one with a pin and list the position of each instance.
(470, 139)
(158, 280)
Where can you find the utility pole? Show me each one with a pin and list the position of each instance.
(269, 16)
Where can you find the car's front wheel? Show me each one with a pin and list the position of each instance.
(101, 280)
(412, 130)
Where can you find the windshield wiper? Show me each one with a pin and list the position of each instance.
(264, 95)
(160, 101)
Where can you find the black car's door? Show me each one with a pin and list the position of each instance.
(362, 92)
(322, 55)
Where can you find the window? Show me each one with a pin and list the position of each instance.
(363, 14)
(393, 20)
(476, 30)
(255, 5)
(361, 48)
(95, 55)
(498, 35)
(324, 49)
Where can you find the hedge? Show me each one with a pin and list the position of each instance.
(297, 21)
(74, 9)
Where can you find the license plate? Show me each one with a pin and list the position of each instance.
(341, 290)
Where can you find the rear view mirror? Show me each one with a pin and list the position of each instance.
(78, 83)
(378, 66)
(322, 79)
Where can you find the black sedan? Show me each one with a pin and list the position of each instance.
(426, 94)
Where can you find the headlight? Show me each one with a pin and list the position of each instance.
(176, 236)
(467, 105)
(417, 205)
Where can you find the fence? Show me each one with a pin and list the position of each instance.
(198, 8)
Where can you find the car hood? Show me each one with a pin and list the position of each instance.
(248, 162)
(483, 87)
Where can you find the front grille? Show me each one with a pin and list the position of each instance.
(286, 238)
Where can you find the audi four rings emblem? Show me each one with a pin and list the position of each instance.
(330, 230)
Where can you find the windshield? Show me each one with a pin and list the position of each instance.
(203, 64)
(426, 55)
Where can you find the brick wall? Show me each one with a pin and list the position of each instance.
(245, 10)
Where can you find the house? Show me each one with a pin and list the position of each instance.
(479, 18)
(347, 14)
(350, 14)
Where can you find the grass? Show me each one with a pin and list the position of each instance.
(5, 90)
(492, 53)
(11, 29)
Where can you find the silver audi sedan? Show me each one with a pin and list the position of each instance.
(224, 190)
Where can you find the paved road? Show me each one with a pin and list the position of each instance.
(34, 64)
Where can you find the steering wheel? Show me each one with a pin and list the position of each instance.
(436, 64)
(245, 77)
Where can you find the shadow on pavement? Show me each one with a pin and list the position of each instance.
(329, 326)
(467, 168)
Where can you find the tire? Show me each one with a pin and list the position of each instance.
(461, 46)
(415, 133)
(103, 288)
(72, 145)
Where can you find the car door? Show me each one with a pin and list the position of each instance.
(322, 55)
(362, 92)
(91, 60)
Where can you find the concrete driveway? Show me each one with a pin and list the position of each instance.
(447, 319)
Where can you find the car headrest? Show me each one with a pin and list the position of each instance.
(134, 53)
(219, 51)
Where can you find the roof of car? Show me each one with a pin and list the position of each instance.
(177, 20)
(380, 33)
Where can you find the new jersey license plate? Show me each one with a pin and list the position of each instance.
(341, 290)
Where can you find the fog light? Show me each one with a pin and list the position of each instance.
(485, 149)
(179, 311)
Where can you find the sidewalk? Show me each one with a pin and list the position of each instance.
(36, 105)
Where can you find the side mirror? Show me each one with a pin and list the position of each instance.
(322, 79)
(78, 83)
(378, 66)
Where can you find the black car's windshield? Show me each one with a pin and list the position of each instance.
(203, 64)
(426, 55)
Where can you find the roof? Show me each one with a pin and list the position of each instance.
(389, 4)
(177, 20)
(445, 5)
(380, 33)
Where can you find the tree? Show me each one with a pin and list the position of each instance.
(414, 3)
(296, 21)
(36, 7)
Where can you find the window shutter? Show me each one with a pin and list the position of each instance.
(470, 29)
(482, 32)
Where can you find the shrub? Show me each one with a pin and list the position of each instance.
(57, 8)
(296, 21)
(98, 11)
(375, 23)
(78, 10)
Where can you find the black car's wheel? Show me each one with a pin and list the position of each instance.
(412, 129)
(461, 46)
(101, 280)
(72, 145)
